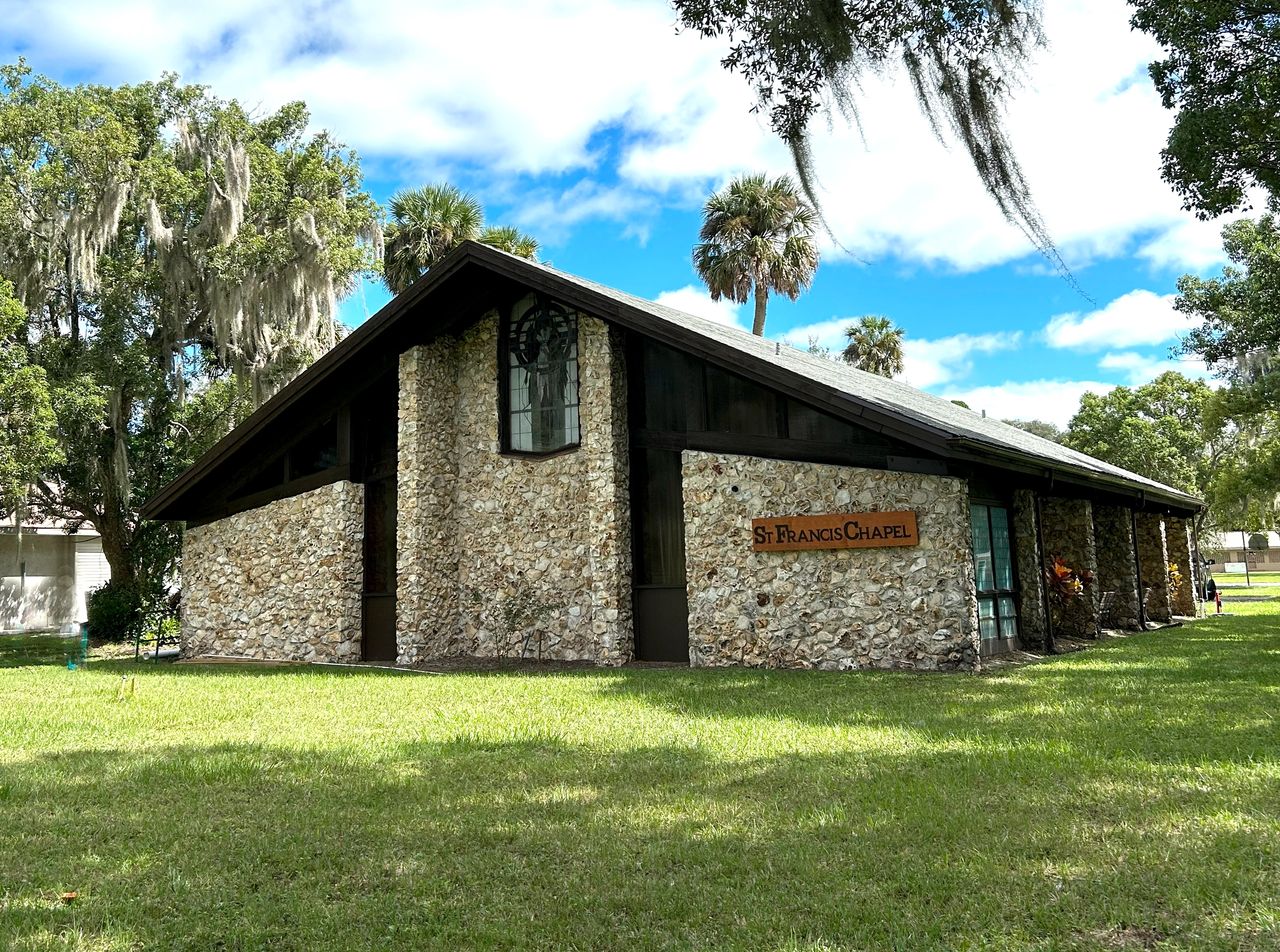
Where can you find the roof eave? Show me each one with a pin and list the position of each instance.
(1143, 491)
(303, 384)
(938, 440)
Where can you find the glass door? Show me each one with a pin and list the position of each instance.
(993, 572)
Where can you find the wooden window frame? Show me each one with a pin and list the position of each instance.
(1001, 643)
(503, 382)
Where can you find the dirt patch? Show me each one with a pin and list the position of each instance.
(1125, 937)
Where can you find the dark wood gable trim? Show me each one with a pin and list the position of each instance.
(385, 336)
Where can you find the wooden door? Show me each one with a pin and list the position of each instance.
(379, 622)
(660, 602)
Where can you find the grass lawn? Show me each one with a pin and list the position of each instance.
(1126, 797)
(1234, 580)
(40, 647)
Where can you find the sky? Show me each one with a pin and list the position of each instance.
(600, 128)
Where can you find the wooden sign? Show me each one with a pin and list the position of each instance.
(837, 530)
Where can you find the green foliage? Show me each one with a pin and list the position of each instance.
(180, 260)
(27, 439)
(511, 240)
(1238, 333)
(116, 611)
(1258, 541)
(427, 223)
(961, 57)
(1221, 74)
(818, 349)
(1247, 479)
(1154, 430)
(1040, 428)
(1240, 310)
(757, 237)
(875, 346)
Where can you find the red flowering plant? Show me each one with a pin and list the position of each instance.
(1065, 584)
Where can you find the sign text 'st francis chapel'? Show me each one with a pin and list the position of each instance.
(837, 530)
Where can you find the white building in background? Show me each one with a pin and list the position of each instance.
(1230, 550)
(46, 574)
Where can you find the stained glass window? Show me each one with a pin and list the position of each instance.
(542, 377)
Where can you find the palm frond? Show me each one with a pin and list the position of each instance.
(757, 234)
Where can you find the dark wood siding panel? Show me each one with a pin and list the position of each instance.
(680, 402)
(659, 503)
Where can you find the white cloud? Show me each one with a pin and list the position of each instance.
(523, 92)
(1137, 318)
(929, 363)
(829, 333)
(550, 216)
(1055, 401)
(1087, 124)
(517, 87)
(695, 300)
(1142, 368)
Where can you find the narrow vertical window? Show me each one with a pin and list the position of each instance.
(540, 357)
(993, 575)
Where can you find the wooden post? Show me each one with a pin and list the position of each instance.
(1049, 646)
(1137, 567)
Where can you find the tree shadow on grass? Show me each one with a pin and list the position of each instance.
(20, 650)
(1180, 695)
(469, 843)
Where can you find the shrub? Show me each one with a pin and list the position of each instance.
(115, 612)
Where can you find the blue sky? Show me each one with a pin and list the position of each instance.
(598, 127)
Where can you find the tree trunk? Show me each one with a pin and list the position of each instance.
(762, 297)
(116, 548)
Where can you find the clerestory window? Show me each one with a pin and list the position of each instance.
(540, 382)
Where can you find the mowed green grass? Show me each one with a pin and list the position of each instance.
(1126, 797)
(21, 649)
(1234, 580)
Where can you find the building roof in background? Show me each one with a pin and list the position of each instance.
(890, 406)
(1230, 539)
(9, 526)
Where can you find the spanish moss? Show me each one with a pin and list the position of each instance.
(962, 60)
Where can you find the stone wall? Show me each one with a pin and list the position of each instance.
(505, 555)
(427, 606)
(1113, 535)
(1155, 566)
(911, 607)
(1028, 560)
(1067, 528)
(1177, 534)
(282, 581)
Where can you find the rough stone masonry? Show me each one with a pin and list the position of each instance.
(282, 581)
(907, 607)
(502, 555)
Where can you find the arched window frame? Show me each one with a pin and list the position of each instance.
(520, 437)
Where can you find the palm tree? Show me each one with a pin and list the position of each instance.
(875, 346)
(512, 241)
(429, 222)
(426, 224)
(757, 237)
